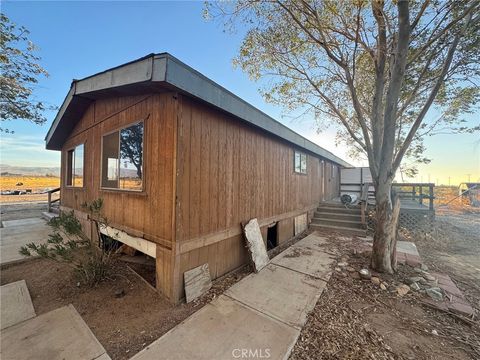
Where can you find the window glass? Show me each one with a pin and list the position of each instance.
(78, 169)
(75, 167)
(122, 158)
(110, 160)
(69, 168)
(131, 157)
(300, 162)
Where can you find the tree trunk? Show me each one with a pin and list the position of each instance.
(385, 238)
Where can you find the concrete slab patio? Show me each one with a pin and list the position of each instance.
(16, 304)
(259, 317)
(57, 335)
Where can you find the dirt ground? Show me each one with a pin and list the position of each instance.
(34, 183)
(123, 325)
(355, 319)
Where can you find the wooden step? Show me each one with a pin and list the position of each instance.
(338, 210)
(342, 216)
(338, 222)
(337, 204)
(339, 229)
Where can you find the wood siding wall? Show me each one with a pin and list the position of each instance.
(145, 214)
(229, 172)
(205, 173)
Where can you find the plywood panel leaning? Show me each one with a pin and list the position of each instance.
(197, 282)
(256, 245)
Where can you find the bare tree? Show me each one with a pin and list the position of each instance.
(375, 68)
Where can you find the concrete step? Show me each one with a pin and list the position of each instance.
(339, 229)
(341, 216)
(49, 215)
(338, 222)
(338, 210)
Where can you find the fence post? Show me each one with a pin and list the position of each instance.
(430, 188)
(421, 195)
(49, 201)
(413, 193)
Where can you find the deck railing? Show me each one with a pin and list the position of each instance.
(50, 201)
(417, 192)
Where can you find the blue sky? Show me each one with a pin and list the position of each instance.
(77, 39)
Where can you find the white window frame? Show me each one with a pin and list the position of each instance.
(299, 169)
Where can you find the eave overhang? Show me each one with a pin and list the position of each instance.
(157, 73)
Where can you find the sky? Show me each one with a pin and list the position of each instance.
(77, 39)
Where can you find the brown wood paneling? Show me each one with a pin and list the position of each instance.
(150, 211)
(230, 173)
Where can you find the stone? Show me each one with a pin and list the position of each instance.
(402, 289)
(424, 267)
(383, 286)
(350, 269)
(435, 294)
(434, 332)
(119, 293)
(414, 286)
(414, 279)
(376, 281)
(337, 269)
(342, 264)
(355, 275)
(429, 277)
(365, 274)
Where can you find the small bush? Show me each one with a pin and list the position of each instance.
(70, 245)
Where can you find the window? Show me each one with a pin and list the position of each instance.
(75, 167)
(122, 158)
(300, 162)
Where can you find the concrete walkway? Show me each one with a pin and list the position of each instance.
(57, 335)
(259, 317)
(17, 233)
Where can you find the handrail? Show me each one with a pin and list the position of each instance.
(415, 195)
(363, 202)
(50, 201)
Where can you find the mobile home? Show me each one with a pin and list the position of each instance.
(180, 163)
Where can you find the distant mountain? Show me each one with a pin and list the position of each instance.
(6, 170)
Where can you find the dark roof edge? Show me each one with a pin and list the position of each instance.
(166, 68)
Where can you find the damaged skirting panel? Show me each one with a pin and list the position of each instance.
(147, 247)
